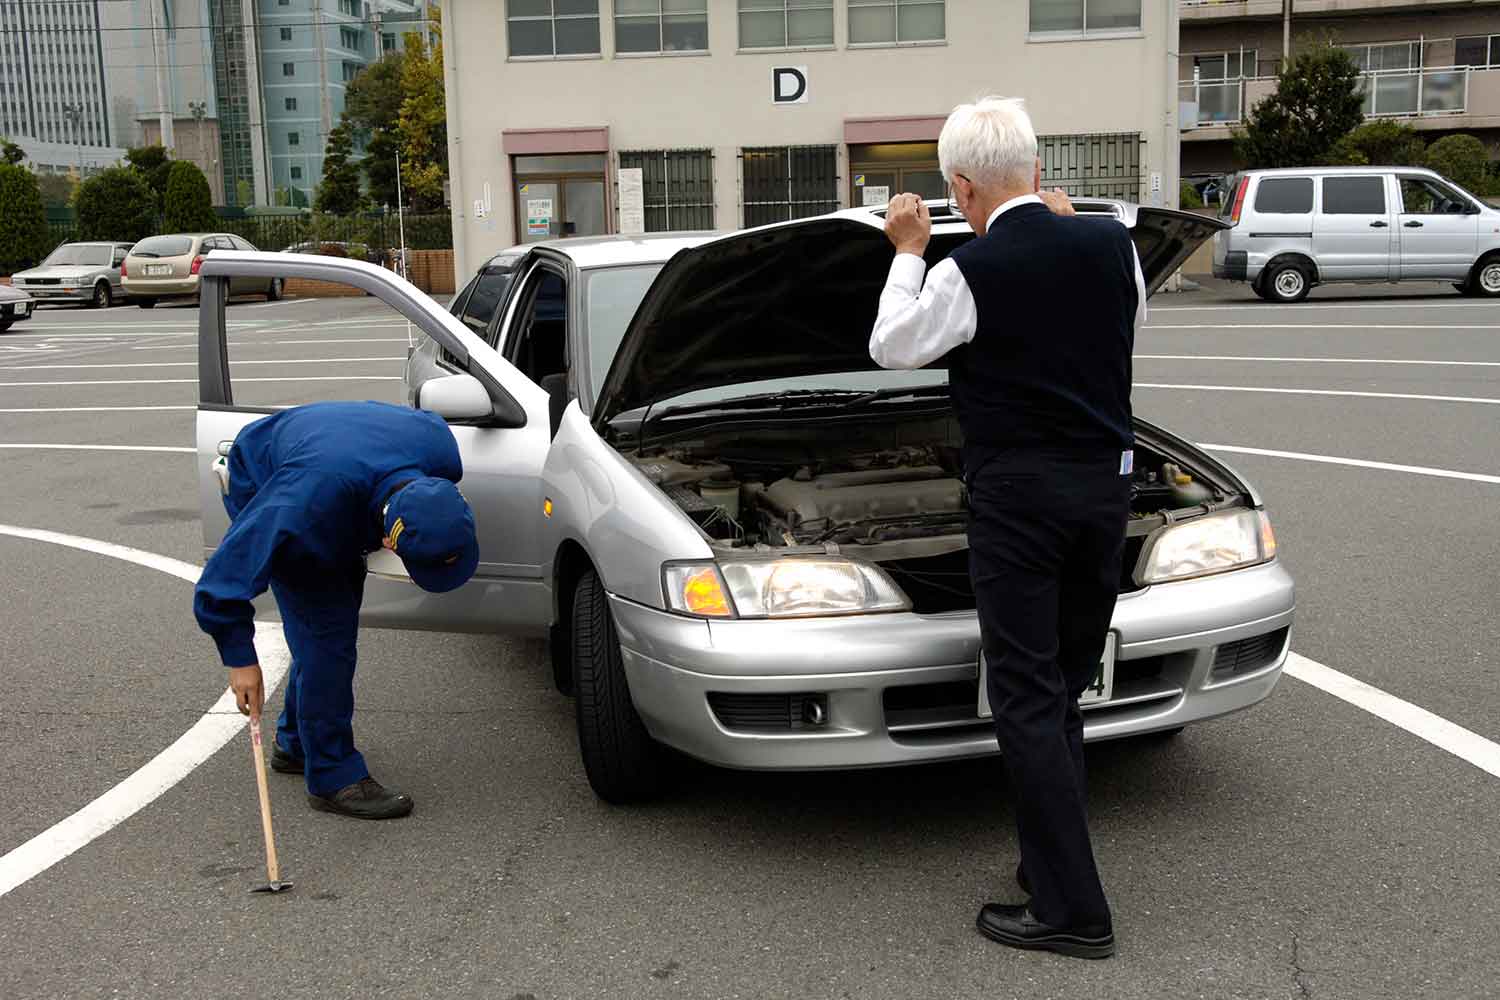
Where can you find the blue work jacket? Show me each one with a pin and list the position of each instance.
(306, 488)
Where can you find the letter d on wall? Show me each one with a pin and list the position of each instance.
(789, 85)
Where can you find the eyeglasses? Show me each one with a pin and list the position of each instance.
(948, 196)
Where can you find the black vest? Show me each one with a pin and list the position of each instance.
(1049, 365)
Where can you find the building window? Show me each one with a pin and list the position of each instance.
(296, 173)
(661, 25)
(678, 188)
(294, 138)
(291, 104)
(552, 27)
(780, 24)
(789, 182)
(889, 22)
(349, 39)
(286, 34)
(350, 7)
(351, 70)
(1085, 17)
(1215, 84)
(1478, 51)
(283, 3)
(387, 42)
(1093, 165)
(288, 69)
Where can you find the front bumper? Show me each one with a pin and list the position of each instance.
(57, 293)
(903, 688)
(17, 311)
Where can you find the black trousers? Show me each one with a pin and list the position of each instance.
(1045, 542)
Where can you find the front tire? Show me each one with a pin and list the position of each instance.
(5, 324)
(622, 761)
(273, 290)
(1287, 282)
(103, 298)
(1484, 280)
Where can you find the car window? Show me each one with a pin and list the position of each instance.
(539, 346)
(241, 244)
(457, 305)
(1423, 196)
(163, 246)
(119, 256)
(79, 255)
(611, 296)
(1354, 195)
(1284, 195)
(488, 292)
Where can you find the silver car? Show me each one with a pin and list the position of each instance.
(15, 306)
(76, 272)
(743, 540)
(1292, 229)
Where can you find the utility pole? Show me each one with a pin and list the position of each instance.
(1286, 33)
(74, 114)
(164, 113)
(199, 110)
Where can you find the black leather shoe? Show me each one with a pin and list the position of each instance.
(365, 799)
(1017, 927)
(284, 763)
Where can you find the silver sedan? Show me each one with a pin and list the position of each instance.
(743, 540)
(76, 272)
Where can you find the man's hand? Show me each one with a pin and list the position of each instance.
(1057, 200)
(908, 225)
(249, 689)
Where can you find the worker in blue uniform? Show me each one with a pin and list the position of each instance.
(311, 490)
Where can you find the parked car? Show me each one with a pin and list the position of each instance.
(476, 302)
(1292, 229)
(15, 305)
(167, 267)
(746, 542)
(76, 272)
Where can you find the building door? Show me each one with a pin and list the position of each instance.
(559, 196)
(880, 170)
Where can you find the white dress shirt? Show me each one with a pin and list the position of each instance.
(919, 323)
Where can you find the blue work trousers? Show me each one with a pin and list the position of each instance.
(320, 617)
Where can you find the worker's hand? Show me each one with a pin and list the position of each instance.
(1057, 200)
(249, 689)
(908, 225)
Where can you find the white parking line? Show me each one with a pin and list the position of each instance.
(193, 381)
(89, 409)
(1320, 326)
(267, 343)
(1309, 392)
(1460, 742)
(1357, 463)
(97, 447)
(1275, 360)
(220, 724)
(1407, 303)
(194, 364)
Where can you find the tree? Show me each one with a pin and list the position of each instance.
(424, 125)
(57, 189)
(1462, 159)
(1382, 143)
(244, 192)
(116, 204)
(372, 110)
(1317, 102)
(339, 191)
(189, 203)
(23, 223)
(155, 165)
(10, 153)
(1188, 197)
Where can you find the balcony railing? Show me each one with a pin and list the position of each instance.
(1389, 93)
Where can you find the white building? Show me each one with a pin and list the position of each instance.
(740, 112)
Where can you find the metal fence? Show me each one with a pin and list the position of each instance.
(678, 187)
(1388, 93)
(1100, 165)
(377, 231)
(789, 182)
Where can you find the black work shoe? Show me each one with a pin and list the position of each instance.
(1017, 927)
(284, 763)
(365, 799)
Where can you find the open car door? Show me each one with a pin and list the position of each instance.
(498, 417)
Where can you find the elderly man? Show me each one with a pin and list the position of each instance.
(1036, 317)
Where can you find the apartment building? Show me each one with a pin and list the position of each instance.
(1431, 64)
(725, 113)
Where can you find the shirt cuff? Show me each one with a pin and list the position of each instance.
(238, 648)
(907, 272)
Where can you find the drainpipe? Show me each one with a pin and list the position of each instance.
(1171, 160)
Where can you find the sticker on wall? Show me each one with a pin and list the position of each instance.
(525, 188)
(539, 217)
(632, 201)
(876, 195)
(859, 180)
(789, 85)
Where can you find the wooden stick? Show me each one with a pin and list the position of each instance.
(273, 870)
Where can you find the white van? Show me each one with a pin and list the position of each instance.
(1298, 227)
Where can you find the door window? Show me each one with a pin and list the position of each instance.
(1421, 196)
(538, 346)
(1354, 195)
(559, 196)
(119, 256)
(488, 293)
(1284, 195)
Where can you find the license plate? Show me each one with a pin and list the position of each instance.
(158, 270)
(1101, 688)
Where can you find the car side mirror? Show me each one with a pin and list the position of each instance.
(556, 387)
(456, 397)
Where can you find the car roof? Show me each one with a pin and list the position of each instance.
(609, 251)
(1342, 171)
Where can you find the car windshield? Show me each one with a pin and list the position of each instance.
(78, 254)
(163, 246)
(611, 297)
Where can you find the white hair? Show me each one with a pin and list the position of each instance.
(990, 142)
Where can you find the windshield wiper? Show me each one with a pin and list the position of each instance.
(767, 401)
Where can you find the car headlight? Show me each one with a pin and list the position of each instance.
(1210, 544)
(793, 587)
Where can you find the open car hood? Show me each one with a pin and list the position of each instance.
(800, 298)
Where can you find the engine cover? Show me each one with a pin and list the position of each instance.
(871, 493)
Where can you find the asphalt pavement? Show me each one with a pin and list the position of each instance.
(1306, 848)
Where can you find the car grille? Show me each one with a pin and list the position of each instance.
(43, 281)
(769, 712)
(1245, 655)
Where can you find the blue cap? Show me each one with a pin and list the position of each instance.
(431, 528)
